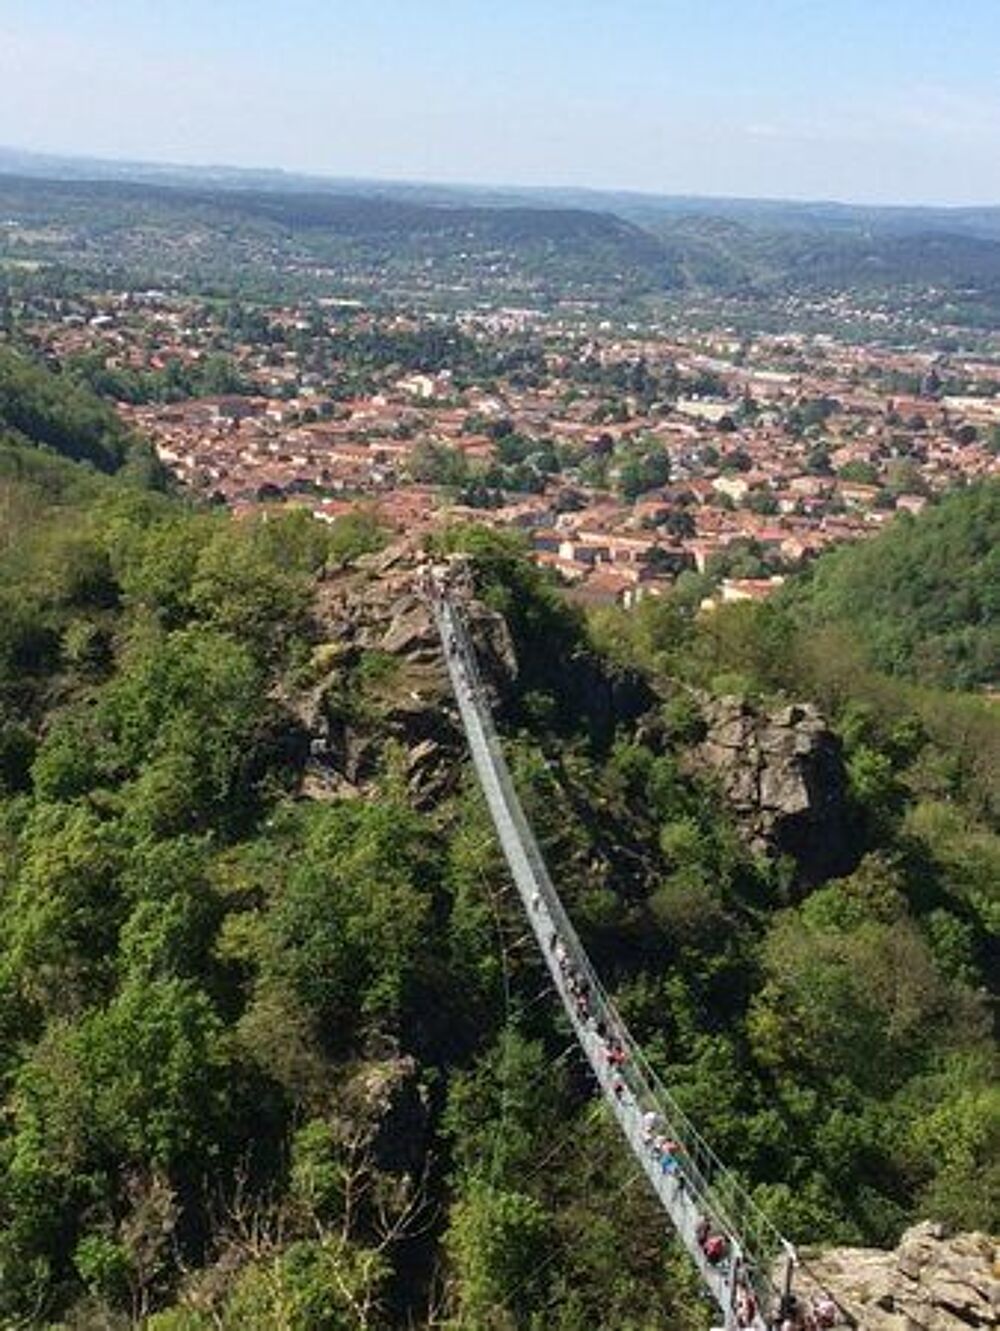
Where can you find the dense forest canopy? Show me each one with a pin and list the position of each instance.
(924, 600)
(46, 410)
(274, 1061)
(42, 410)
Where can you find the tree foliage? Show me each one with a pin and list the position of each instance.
(924, 599)
(274, 1061)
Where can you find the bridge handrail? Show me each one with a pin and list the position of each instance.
(757, 1241)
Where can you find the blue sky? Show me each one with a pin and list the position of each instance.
(868, 100)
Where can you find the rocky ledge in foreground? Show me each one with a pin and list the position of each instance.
(931, 1282)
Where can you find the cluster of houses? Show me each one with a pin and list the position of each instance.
(776, 446)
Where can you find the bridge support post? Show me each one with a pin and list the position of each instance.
(789, 1273)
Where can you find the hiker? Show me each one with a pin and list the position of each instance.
(789, 1314)
(669, 1151)
(614, 1052)
(746, 1306)
(824, 1311)
(715, 1249)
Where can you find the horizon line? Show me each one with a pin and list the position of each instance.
(320, 177)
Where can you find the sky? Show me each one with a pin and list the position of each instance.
(876, 101)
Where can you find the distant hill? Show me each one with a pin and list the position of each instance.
(406, 240)
(395, 245)
(923, 598)
(636, 206)
(723, 253)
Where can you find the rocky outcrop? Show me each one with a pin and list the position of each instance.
(931, 1282)
(782, 773)
(411, 631)
(378, 679)
(495, 655)
(384, 1109)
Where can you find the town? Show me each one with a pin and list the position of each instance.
(631, 460)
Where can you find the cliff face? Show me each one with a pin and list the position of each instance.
(931, 1282)
(783, 775)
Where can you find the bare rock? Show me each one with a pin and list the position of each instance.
(931, 1282)
(387, 1105)
(494, 648)
(783, 775)
(382, 561)
(379, 678)
(411, 630)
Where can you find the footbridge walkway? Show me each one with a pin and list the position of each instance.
(751, 1278)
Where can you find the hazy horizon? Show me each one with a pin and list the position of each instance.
(515, 188)
(790, 100)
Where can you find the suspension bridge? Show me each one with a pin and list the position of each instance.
(750, 1277)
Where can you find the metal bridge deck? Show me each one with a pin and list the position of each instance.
(702, 1187)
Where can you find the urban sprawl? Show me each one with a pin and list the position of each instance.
(628, 457)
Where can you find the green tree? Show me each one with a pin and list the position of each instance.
(494, 1240)
(347, 929)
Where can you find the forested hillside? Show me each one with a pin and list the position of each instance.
(41, 409)
(259, 234)
(272, 1050)
(314, 243)
(924, 600)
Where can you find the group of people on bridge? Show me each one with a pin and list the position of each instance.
(606, 1042)
(818, 1314)
(435, 581)
(720, 1251)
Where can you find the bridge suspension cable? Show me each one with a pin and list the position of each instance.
(702, 1198)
